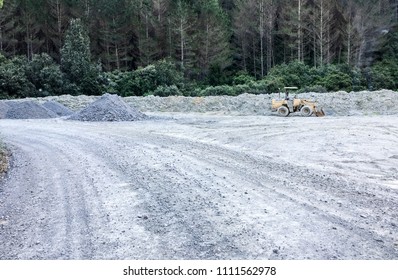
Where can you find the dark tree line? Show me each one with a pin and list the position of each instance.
(211, 41)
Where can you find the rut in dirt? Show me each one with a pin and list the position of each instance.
(135, 191)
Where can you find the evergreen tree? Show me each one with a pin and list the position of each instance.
(212, 48)
(76, 60)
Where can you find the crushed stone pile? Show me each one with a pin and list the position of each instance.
(26, 110)
(75, 103)
(3, 109)
(382, 102)
(363, 103)
(57, 108)
(109, 107)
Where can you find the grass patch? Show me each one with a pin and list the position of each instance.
(3, 159)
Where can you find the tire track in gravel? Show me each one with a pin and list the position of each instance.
(56, 200)
(345, 219)
(340, 224)
(61, 202)
(132, 191)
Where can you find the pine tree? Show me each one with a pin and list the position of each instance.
(182, 21)
(212, 38)
(76, 60)
(146, 41)
(8, 28)
(245, 34)
(113, 36)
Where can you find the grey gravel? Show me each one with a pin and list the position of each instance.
(3, 109)
(108, 108)
(204, 186)
(365, 103)
(382, 102)
(58, 108)
(175, 189)
(26, 110)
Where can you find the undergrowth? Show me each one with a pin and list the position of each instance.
(3, 159)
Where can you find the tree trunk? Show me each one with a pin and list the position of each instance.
(321, 31)
(261, 27)
(299, 35)
(349, 34)
(182, 42)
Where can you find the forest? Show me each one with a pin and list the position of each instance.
(203, 47)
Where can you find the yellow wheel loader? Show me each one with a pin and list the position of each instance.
(289, 105)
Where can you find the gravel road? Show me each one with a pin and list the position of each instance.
(201, 186)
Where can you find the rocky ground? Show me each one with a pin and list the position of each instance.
(383, 102)
(233, 183)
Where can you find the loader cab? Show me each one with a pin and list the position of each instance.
(290, 101)
(287, 90)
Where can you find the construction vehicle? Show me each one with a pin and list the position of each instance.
(289, 105)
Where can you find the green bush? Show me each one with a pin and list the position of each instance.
(273, 84)
(293, 74)
(117, 82)
(239, 89)
(242, 79)
(167, 73)
(45, 75)
(146, 80)
(13, 80)
(384, 75)
(339, 77)
(328, 77)
(337, 81)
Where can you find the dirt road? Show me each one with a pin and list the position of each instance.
(201, 187)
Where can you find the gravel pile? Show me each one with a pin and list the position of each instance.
(74, 103)
(109, 108)
(3, 109)
(25, 110)
(341, 103)
(57, 108)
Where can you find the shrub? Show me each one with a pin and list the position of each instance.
(45, 75)
(117, 82)
(143, 80)
(146, 80)
(242, 79)
(13, 80)
(335, 80)
(273, 84)
(192, 88)
(384, 75)
(167, 73)
(239, 89)
(293, 74)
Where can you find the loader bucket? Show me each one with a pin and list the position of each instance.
(319, 112)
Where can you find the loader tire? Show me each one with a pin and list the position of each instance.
(306, 111)
(283, 111)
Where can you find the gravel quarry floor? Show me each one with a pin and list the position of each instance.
(201, 186)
